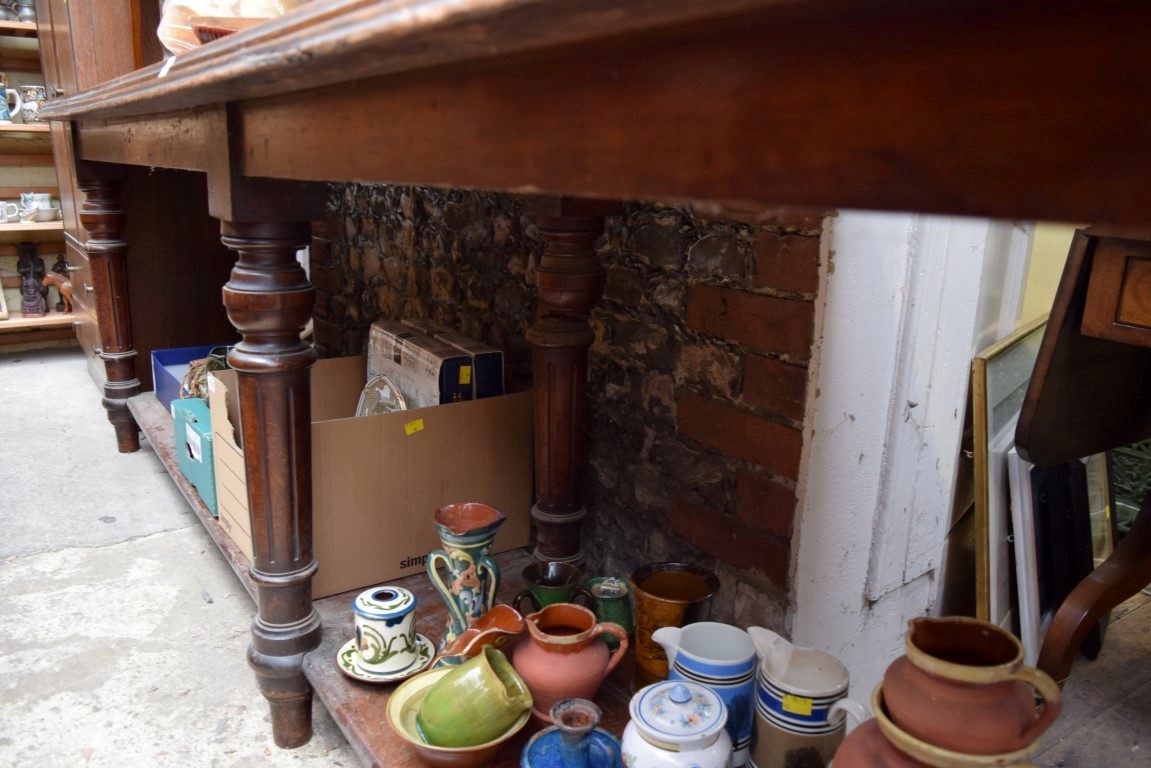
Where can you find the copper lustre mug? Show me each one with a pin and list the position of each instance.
(666, 595)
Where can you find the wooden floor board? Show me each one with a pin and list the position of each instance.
(1106, 719)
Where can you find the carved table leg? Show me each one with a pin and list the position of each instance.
(1120, 576)
(570, 280)
(102, 215)
(269, 300)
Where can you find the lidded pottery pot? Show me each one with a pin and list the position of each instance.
(962, 686)
(566, 657)
(677, 724)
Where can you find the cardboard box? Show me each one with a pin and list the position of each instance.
(377, 480)
(193, 439)
(168, 369)
(426, 371)
(487, 361)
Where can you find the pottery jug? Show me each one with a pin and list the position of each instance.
(565, 656)
(723, 658)
(473, 703)
(466, 532)
(879, 743)
(801, 697)
(676, 724)
(962, 686)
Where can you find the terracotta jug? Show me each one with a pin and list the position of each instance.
(962, 686)
(879, 743)
(566, 657)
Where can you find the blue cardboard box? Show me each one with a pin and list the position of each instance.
(192, 422)
(168, 369)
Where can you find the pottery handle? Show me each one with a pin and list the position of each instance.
(533, 603)
(436, 555)
(491, 584)
(611, 628)
(589, 601)
(849, 708)
(1052, 697)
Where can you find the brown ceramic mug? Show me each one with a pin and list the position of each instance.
(666, 595)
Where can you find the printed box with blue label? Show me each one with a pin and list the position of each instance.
(378, 480)
(192, 425)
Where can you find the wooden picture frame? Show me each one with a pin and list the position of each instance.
(1000, 376)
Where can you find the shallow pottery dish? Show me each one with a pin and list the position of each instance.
(404, 706)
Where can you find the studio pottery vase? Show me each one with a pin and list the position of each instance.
(565, 656)
(962, 686)
(472, 577)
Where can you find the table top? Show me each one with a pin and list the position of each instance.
(1031, 111)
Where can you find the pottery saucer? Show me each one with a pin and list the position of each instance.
(347, 659)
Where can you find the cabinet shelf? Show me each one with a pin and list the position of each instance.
(17, 322)
(40, 232)
(19, 47)
(18, 29)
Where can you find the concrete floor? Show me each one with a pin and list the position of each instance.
(122, 631)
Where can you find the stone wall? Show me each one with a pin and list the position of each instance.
(698, 376)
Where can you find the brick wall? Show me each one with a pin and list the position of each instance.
(698, 376)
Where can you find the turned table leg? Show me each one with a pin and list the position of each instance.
(1117, 578)
(570, 280)
(102, 216)
(269, 300)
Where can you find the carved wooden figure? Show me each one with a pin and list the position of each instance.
(63, 285)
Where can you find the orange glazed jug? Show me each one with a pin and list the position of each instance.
(566, 657)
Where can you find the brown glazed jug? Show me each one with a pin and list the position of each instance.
(566, 657)
(962, 686)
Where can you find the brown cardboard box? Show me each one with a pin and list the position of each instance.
(377, 480)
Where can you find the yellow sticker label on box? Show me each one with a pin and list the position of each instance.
(465, 374)
(412, 427)
(796, 705)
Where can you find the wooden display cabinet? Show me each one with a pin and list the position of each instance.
(28, 166)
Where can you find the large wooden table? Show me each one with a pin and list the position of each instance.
(1033, 111)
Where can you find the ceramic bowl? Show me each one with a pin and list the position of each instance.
(404, 706)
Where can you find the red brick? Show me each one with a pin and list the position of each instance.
(787, 262)
(764, 322)
(777, 386)
(739, 434)
(764, 504)
(326, 279)
(732, 541)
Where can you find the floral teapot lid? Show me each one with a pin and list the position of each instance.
(678, 715)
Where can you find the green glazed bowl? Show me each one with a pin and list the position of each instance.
(474, 702)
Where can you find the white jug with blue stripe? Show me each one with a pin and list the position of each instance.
(800, 702)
